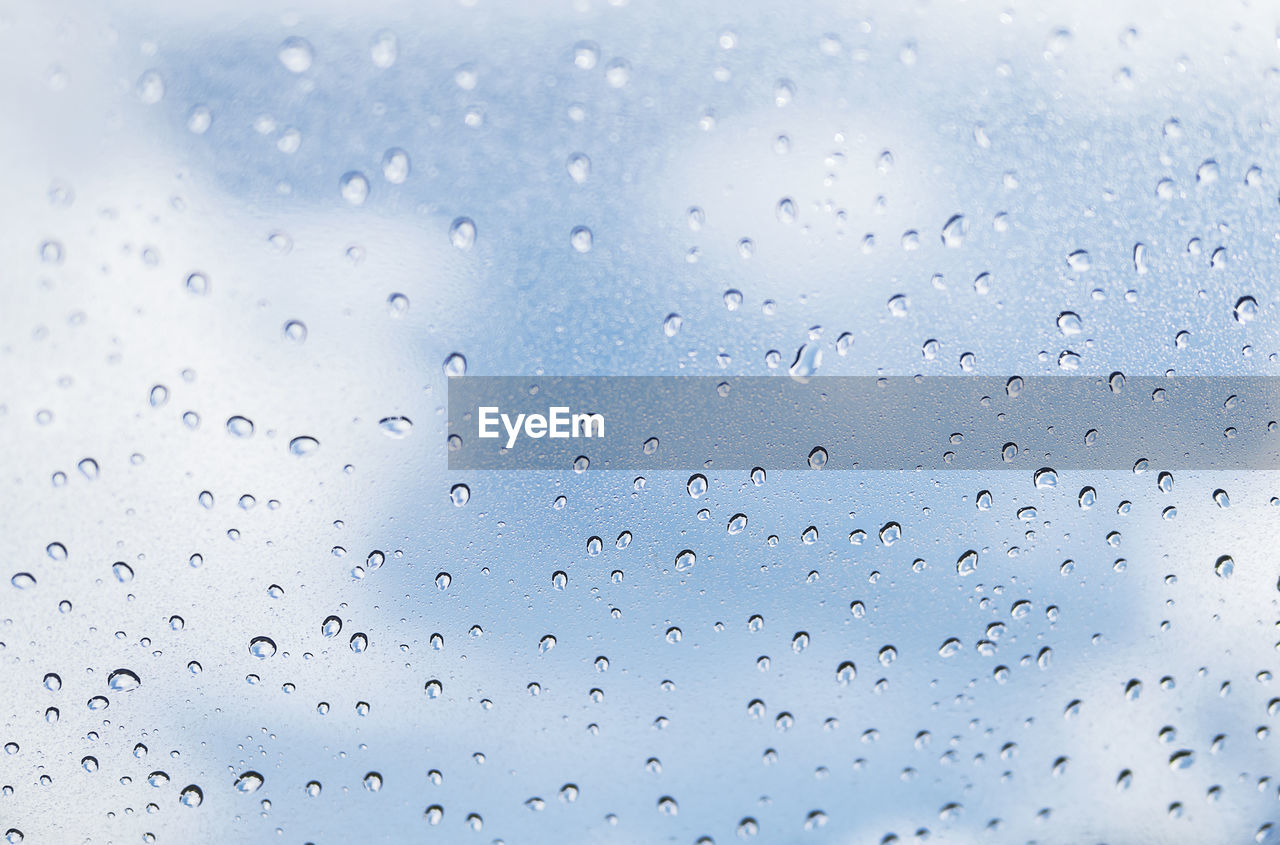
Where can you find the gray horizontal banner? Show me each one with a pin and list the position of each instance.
(863, 423)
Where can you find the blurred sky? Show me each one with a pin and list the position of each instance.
(806, 157)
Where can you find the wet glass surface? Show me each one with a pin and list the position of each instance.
(246, 245)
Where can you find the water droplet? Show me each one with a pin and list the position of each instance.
(581, 239)
(1045, 478)
(890, 533)
(303, 445)
(579, 167)
(737, 523)
(355, 187)
(685, 560)
(150, 87)
(1079, 261)
(697, 485)
(455, 365)
(462, 233)
(1069, 323)
(808, 359)
(967, 564)
(618, 73)
(191, 796)
(433, 689)
(395, 166)
(954, 231)
(1224, 567)
(585, 55)
(296, 54)
(262, 647)
(1245, 310)
(786, 210)
(240, 426)
(459, 494)
(372, 781)
(123, 680)
(384, 49)
(817, 458)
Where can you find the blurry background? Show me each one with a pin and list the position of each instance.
(245, 244)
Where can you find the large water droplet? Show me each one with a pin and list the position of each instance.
(303, 445)
(262, 647)
(123, 680)
(455, 365)
(248, 782)
(1245, 310)
(191, 796)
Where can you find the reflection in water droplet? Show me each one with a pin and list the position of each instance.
(296, 54)
(354, 187)
(395, 166)
(455, 365)
(1045, 478)
(123, 680)
(462, 233)
(1245, 310)
(954, 231)
(303, 445)
(240, 426)
(248, 782)
(697, 485)
(262, 647)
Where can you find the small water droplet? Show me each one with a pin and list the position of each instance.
(296, 54)
(462, 233)
(354, 187)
